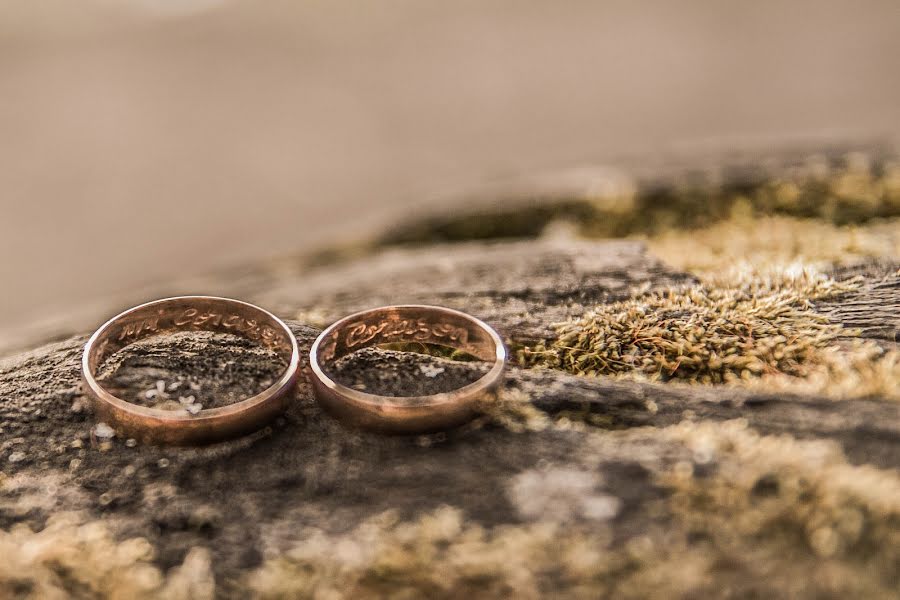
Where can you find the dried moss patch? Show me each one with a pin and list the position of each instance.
(762, 244)
(436, 556)
(851, 370)
(746, 325)
(513, 410)
(440, 556)
(711, 333)
(72, 557)
(745, 516)
(776, 241)
(853, 188)
(774, 499)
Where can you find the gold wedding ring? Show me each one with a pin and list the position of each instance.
(190, 313)
(412, 323)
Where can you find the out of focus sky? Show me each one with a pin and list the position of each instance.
(147, 140)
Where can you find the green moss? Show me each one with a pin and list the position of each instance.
(524, 221)
(851, 189)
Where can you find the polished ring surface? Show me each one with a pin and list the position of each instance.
(190, 313)
(410, 323)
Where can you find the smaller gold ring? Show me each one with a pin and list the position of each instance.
(190, 313)
(398, 324)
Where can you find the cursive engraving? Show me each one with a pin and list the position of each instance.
(329, 349)
(456, 334)
(207, 319)
(231, 322)
(251, 330)
(422, 331)
(186, 317)
(419, 330)
(129, 330)
(360, 333)
(139, 328)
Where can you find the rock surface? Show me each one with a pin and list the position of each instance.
(586, 487)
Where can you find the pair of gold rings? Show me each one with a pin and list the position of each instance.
(392, 324)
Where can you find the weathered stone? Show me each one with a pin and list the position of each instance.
(608, 483)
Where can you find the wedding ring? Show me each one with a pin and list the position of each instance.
(393, 324)
(190, 313)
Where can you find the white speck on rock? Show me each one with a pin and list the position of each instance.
(431, 370)
(157, 392)
(601, 507)
(17, 457)
(561, 495)
(104, 431)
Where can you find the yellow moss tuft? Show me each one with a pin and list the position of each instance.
(760, 516)
(729, 328)
(771, 497)
(513, 410)
(743, 456)
(71, 557)
(436, 556)
(746, 325)
(857, 370)
(439, 556)
(774, 241)
(853, 189)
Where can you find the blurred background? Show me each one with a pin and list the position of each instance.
(145, 141)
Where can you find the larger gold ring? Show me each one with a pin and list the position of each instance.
(412, 323)
(190, 313)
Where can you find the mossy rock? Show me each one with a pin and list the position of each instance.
(745, 443)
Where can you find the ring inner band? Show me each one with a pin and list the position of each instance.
(188, 314)
(407, 324)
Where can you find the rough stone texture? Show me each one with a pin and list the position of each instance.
(589, 454)
(874, 310)
(519, 287)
